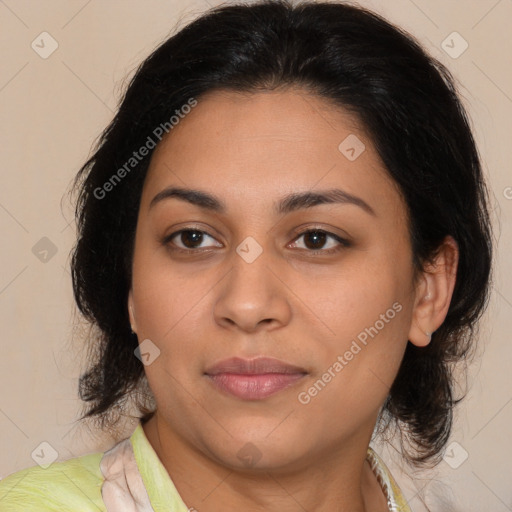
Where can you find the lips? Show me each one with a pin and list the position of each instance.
(255, 366)
(253, 379)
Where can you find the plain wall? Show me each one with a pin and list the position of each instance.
(52, 110)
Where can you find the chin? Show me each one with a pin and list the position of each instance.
(258, 448)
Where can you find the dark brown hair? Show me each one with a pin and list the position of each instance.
(405, 99)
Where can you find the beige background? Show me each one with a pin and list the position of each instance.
(51, 111)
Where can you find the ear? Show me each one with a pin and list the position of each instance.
(433, 293)
(131, 313)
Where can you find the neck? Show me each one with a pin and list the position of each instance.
(339, 481)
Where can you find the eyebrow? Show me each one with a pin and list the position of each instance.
(287, 204)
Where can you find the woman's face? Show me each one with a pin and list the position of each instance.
(323, 285)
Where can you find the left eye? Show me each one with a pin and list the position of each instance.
(315, 240)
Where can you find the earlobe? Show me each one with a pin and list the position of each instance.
(434, 293)
(131, 312)
(420, 333)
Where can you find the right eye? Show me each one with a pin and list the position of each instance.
(190, 240)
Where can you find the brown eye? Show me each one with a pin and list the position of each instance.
(315, 240)
(189, 239)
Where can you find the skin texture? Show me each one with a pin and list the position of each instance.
(250, 150)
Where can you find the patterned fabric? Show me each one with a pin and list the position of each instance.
(396, 500)
(127, 478)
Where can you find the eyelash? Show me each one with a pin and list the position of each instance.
(343, 243)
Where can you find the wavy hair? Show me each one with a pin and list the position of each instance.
(405, 99)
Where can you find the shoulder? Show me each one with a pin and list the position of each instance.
(70, 485)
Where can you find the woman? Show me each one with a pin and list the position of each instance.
(284, 244)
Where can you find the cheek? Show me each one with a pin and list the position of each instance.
(357, 298)
(168, 307)
(165, 299)
(355, 373)
(368, 313)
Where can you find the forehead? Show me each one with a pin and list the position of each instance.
(255, 147)
(285, 117)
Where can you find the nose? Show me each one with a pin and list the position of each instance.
(254, 295)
